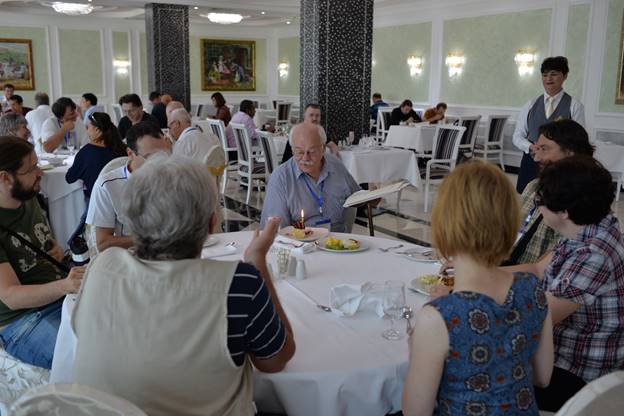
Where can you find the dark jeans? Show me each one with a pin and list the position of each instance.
(563, 385)
(81, 226)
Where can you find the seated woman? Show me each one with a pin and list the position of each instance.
(171, 332)
(223, 111)
(489, 340)
(105, 145)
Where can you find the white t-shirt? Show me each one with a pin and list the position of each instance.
(105, 203)
(195, 144)
(35, 119)
(78, 135)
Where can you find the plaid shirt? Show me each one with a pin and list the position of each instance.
(589, 270)
(544, 238)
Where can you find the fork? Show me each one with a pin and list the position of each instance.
(288, 243)
(385, 250)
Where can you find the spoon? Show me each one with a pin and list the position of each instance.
(408, 313)
(325, 308)
(390, 248)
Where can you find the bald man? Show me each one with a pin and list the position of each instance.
(189, 140)
(173, 105)
(311, 180)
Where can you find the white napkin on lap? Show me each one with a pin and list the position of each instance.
(346, 299)
(213, 251)
(289, 243)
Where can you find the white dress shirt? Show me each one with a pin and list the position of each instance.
(105, 203)
(52, 125)
(35, 119)
(577, 111)
(195, 144)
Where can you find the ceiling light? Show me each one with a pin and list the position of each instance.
(262, 13)
(223, 18)
(196, 8)
(288, 22)
(72, 9)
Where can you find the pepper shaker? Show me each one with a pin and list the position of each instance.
(292, 266)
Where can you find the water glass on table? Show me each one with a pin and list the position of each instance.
(393, 305)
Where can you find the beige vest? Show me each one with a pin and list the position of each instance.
(155, 333)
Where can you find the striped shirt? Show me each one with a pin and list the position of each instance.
(253, 323)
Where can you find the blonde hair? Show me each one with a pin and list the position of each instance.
(476, 214)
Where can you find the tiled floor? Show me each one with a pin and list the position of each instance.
(409, 223)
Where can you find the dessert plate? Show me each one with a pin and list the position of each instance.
(312, 235)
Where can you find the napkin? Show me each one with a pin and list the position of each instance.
(347, 299)
(284, 242)
(213, 251)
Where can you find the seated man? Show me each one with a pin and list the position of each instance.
(132, 108)
(312, 114)
(377, 102)
(8, 89)
(433, 115)
(37, 116)
(104, 213)
(158, 108)
(31, 286)
(88, 105)
(61, 130)
(14, 124)
(311, 180)
(188, 328)
(17, 105)
(584, 276)
(190, 141)
(557, 140)
(404, 113)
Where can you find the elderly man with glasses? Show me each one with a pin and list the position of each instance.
(312, 181)
(14, 124)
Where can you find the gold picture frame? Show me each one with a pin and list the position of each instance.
(16, 63)
(228, 65)
(619, 90)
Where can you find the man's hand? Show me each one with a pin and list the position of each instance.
(261, 242)
(74, 279)
(68, 125)
(56, 251)
(533, 148)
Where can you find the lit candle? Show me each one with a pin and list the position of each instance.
(302, 219)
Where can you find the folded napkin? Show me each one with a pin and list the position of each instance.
(296, 247)
(211, 252)
(346, 300)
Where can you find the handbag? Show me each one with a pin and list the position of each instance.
(62, 267)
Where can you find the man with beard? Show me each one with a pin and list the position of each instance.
(31, 286)
(557, 140)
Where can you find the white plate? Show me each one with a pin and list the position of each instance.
(418, 286)
(420, 254)
(212, 240)
(316, 233)
(320, 244)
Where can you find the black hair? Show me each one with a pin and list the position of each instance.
(377, 95)
(246, 106)
(131, 99)
(12, 151)
(17, 98)
(90, 97)
(218, 97)
(143, 128)
(555, 63)
(441, 105)
(7, 85)
(579, 185)
(110, 134)
(61, 105)
(153, 95)
(407, 102)
(41, 98)
(569, 135)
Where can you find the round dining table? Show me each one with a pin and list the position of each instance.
(342, 365)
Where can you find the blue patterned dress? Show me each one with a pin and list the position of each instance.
(487, 370)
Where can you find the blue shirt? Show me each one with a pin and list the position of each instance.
(373, 109)
(87, 165)
(290, 190)
(89, 111)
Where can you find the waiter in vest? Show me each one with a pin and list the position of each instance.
(553, 105)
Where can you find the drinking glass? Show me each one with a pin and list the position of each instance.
(393, 304)
(350, 140)
(71, 148)
(283, 254)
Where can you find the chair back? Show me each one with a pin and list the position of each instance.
(218, 129)
(114, 164)
(384, 115)
(243, 144)
(71, 399)
(268, 151)
(194, 110)
(118, 112)
(446, 142)
(495, 130)
(603, 396)
(283, 113)
(472, 126)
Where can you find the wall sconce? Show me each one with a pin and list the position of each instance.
(283, 69)
(415, 65)
(525, 59)
(121, 66)
(455, 62)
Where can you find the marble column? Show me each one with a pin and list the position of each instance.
(168, 68)
(336, 47)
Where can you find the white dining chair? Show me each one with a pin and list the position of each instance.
(268, 152)
(194, 110)
(218, 128)
(249, 169)
(466, 147)
(492, 146)
(118, 113)
(283, 114)
(71, 399)
(612, 158)
(444, 155)
(383, 123)
(603, 396)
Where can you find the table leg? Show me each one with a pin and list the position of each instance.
(369, 212)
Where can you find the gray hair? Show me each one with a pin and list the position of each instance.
(181, 115)
(10, 122)
(321, 132)
(168, 204)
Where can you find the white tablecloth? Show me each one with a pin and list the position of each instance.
(342, 365)
(374, 165)
(66, 203)
(418, 137)
(264, 116)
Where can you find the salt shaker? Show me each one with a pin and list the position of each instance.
(301, 270)
(292, 266)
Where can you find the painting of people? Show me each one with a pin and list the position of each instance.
(16, 65)
(228, 65)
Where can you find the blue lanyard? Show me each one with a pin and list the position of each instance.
(317, 197)
(67, 135)
(526, 221)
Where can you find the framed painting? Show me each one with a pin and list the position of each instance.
(619, 93)
(16, 63)
(228, 65)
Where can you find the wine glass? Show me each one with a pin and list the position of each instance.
(71, 148)
(350, 140)
(393, 304)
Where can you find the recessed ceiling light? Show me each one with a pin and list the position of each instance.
(223, 18)
(288, 22)
(196, 8)
(262, 12)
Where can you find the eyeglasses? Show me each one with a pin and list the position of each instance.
(32, 169)
(313, 152)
